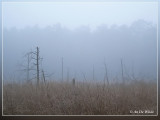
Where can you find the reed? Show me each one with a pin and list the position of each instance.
(64, 98)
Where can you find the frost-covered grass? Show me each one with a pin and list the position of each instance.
(63, 98)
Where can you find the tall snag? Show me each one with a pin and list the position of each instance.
(37, 64)
(37, 58)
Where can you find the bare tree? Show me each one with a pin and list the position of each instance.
(36, 57)
(73, 81)
(68, 75)
(62, 68)
(44, 78)
(37, 65)
(106, 74)
(122, 71)
(93, 73)
(27, 67)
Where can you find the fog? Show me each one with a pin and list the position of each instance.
(75, 14)
(83, 49)
(87, 35)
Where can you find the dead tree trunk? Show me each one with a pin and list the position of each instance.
(93, 74)
(37, 65)
(73, 81)
(62, 68)
(44, 79)
(68, 75)
(122, 71)
(106, 74)
(28, 67)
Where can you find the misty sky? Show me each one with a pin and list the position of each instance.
(73, 15)
(85, 35)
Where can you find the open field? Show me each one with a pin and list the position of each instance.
(64, 98)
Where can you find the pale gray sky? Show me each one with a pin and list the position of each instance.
(75, 14)
(82, 49)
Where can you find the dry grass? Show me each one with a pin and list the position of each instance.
(63, 98)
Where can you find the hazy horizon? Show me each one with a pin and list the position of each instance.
(82, 49)
(85, 35)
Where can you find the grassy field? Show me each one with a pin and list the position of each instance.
(64, 98)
